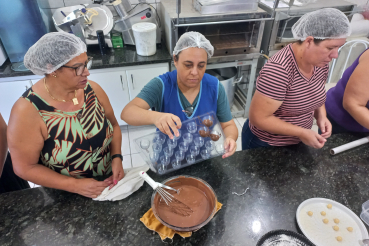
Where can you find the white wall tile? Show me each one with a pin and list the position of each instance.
(315, 128)
(127, 162)
(137, 161)
(241, 120)
(239, 144)
(31, 184)
(126, 150)
(239, 127)
(48, 4)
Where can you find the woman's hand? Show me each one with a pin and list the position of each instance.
(312, 139)
(118, 173)
(168, 123)
(325, 127)
(89, 187)
(230, 146)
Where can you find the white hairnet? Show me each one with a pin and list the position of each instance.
(193, 40)
(52, 51)
(325, 23)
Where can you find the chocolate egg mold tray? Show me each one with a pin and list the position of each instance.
(200, 138)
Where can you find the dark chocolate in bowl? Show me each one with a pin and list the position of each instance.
(195, 193)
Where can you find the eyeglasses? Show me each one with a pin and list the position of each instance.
(80, 69)
(188, 111)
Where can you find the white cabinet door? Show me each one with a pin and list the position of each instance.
(10, 92)
(115, 86)
(138, 78)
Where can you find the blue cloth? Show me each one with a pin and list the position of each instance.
(249, 140)
(171, 103)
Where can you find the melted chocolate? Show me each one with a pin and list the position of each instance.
(214, 137)
(204, 133)
(193, 193)
(207, 122)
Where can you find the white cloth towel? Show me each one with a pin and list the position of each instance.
(131, 182)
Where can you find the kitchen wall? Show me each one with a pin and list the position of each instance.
(48, 7)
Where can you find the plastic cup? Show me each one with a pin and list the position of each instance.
(204, 131)
(162, 168)
(159, 138)
(205, 154)
(180, 135)
(145, 143)
(179, 155)
(198, 141)
(154, 157)
(172, 143)
(215, 135)
(207, 121)
(194, 150)
(209, 145)
(187, 138)
(191, 127)
(157, 147)
(176, 164)
(190, 159)
(168, 152)
(183, 146)
(220, 148)
(165, 160)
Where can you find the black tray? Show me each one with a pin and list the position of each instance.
(302, 240)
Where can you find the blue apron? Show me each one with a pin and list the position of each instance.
(171, 103)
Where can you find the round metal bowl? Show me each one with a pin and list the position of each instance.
(203, 186)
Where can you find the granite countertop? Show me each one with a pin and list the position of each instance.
(126, 56)
(279, 178)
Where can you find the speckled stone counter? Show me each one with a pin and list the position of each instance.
(114, 58)
(279, 180)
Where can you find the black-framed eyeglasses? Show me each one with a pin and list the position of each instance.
(80, 69)
(188, 111)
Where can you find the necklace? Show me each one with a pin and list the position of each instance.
(74, 100)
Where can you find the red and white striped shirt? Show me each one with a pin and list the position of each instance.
(281, 80)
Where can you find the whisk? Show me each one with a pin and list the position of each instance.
(174, 204)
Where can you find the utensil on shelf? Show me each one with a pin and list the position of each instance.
(175, 205)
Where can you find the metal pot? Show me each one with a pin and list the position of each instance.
(228, 77)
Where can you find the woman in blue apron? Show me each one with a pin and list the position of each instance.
(184, 93)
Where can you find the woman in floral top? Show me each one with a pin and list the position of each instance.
(62, 132)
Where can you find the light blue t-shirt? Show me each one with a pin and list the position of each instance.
(152, 94)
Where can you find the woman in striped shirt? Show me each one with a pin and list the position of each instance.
(290, 87)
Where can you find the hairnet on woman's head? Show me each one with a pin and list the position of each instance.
(193, 40)
(325, 23)
(52, 51)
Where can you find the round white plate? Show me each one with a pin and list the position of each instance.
(323, 234)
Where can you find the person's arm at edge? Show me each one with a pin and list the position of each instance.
(3, 144)
(356, 95)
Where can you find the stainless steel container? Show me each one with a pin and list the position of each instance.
(228, 77)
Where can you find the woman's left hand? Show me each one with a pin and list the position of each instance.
(325, 127)
(118, 173)
(230, 146)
